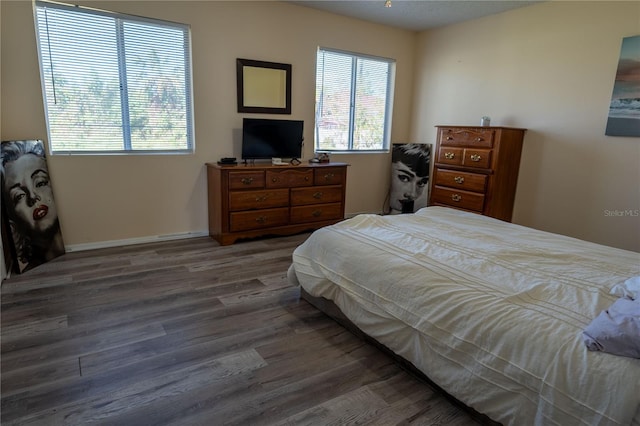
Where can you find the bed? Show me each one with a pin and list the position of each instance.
(491, 312)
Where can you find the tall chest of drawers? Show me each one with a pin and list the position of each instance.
(476, 169)
(248, 201)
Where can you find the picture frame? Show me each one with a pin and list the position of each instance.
(410, 173)
(624, 109)
(30, 223)
(263, 87)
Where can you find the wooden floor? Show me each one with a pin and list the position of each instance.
(190, 333)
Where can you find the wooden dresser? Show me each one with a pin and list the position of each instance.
(476, 169)
(248, 201)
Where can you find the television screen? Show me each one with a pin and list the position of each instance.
(266, 138)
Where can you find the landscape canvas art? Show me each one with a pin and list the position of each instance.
(28, 205)
(624, 110)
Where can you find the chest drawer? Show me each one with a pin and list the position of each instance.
(458, 198)
(329, 176)
(257, 219)
(480, 158)
(461, 180)
(315, 213)
(252, 200)
(452, 156)
(476, 168)
(289, 178)
(246, 179)
(316, 195)
(481, 138)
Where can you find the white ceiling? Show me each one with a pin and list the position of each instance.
(416, 15)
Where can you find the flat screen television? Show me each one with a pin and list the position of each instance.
(267, 138)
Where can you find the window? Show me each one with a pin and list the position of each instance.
(114, 83)
(354, 98)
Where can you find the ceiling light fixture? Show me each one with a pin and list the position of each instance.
(387, 3)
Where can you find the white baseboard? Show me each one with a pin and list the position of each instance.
(132, 241)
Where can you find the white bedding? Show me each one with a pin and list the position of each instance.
(490, 311)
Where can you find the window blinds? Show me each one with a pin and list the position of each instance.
(354, 95)
(114, 83)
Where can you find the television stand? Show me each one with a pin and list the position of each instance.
(249, 201)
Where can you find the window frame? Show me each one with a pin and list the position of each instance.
(119, 20)
(390, 87)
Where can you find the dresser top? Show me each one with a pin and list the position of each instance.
(482, 127)
(242, 166)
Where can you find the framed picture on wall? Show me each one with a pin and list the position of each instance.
(28, 205)
(624, 110)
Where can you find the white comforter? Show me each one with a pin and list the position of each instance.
(490, 311)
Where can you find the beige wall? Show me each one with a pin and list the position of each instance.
(549, 68)
(118, 198)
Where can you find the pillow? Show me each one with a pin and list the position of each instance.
(616, 330)
(629, 288)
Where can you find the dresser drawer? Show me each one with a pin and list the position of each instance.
(329, 175)
(263, 199)
(316, 195)
(481, 138)
(315, 213)
(451, 156)
(289, 178)
(458, 198)
(477, 158)
(246, 179)
(476, 169)
(257, 219)
(254, 200)
(460, 180)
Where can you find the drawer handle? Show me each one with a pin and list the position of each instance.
(479, 139)
(317, 195)
(247, 181)
(456, 197)
(261, 219)
(274, 180)
(328, 176)
(449, 138)
(306, 178)
(316, 213)
(261, 198)
(449, 155)
(476, 157)
(459, 179)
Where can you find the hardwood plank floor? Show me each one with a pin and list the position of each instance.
(191, 333)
